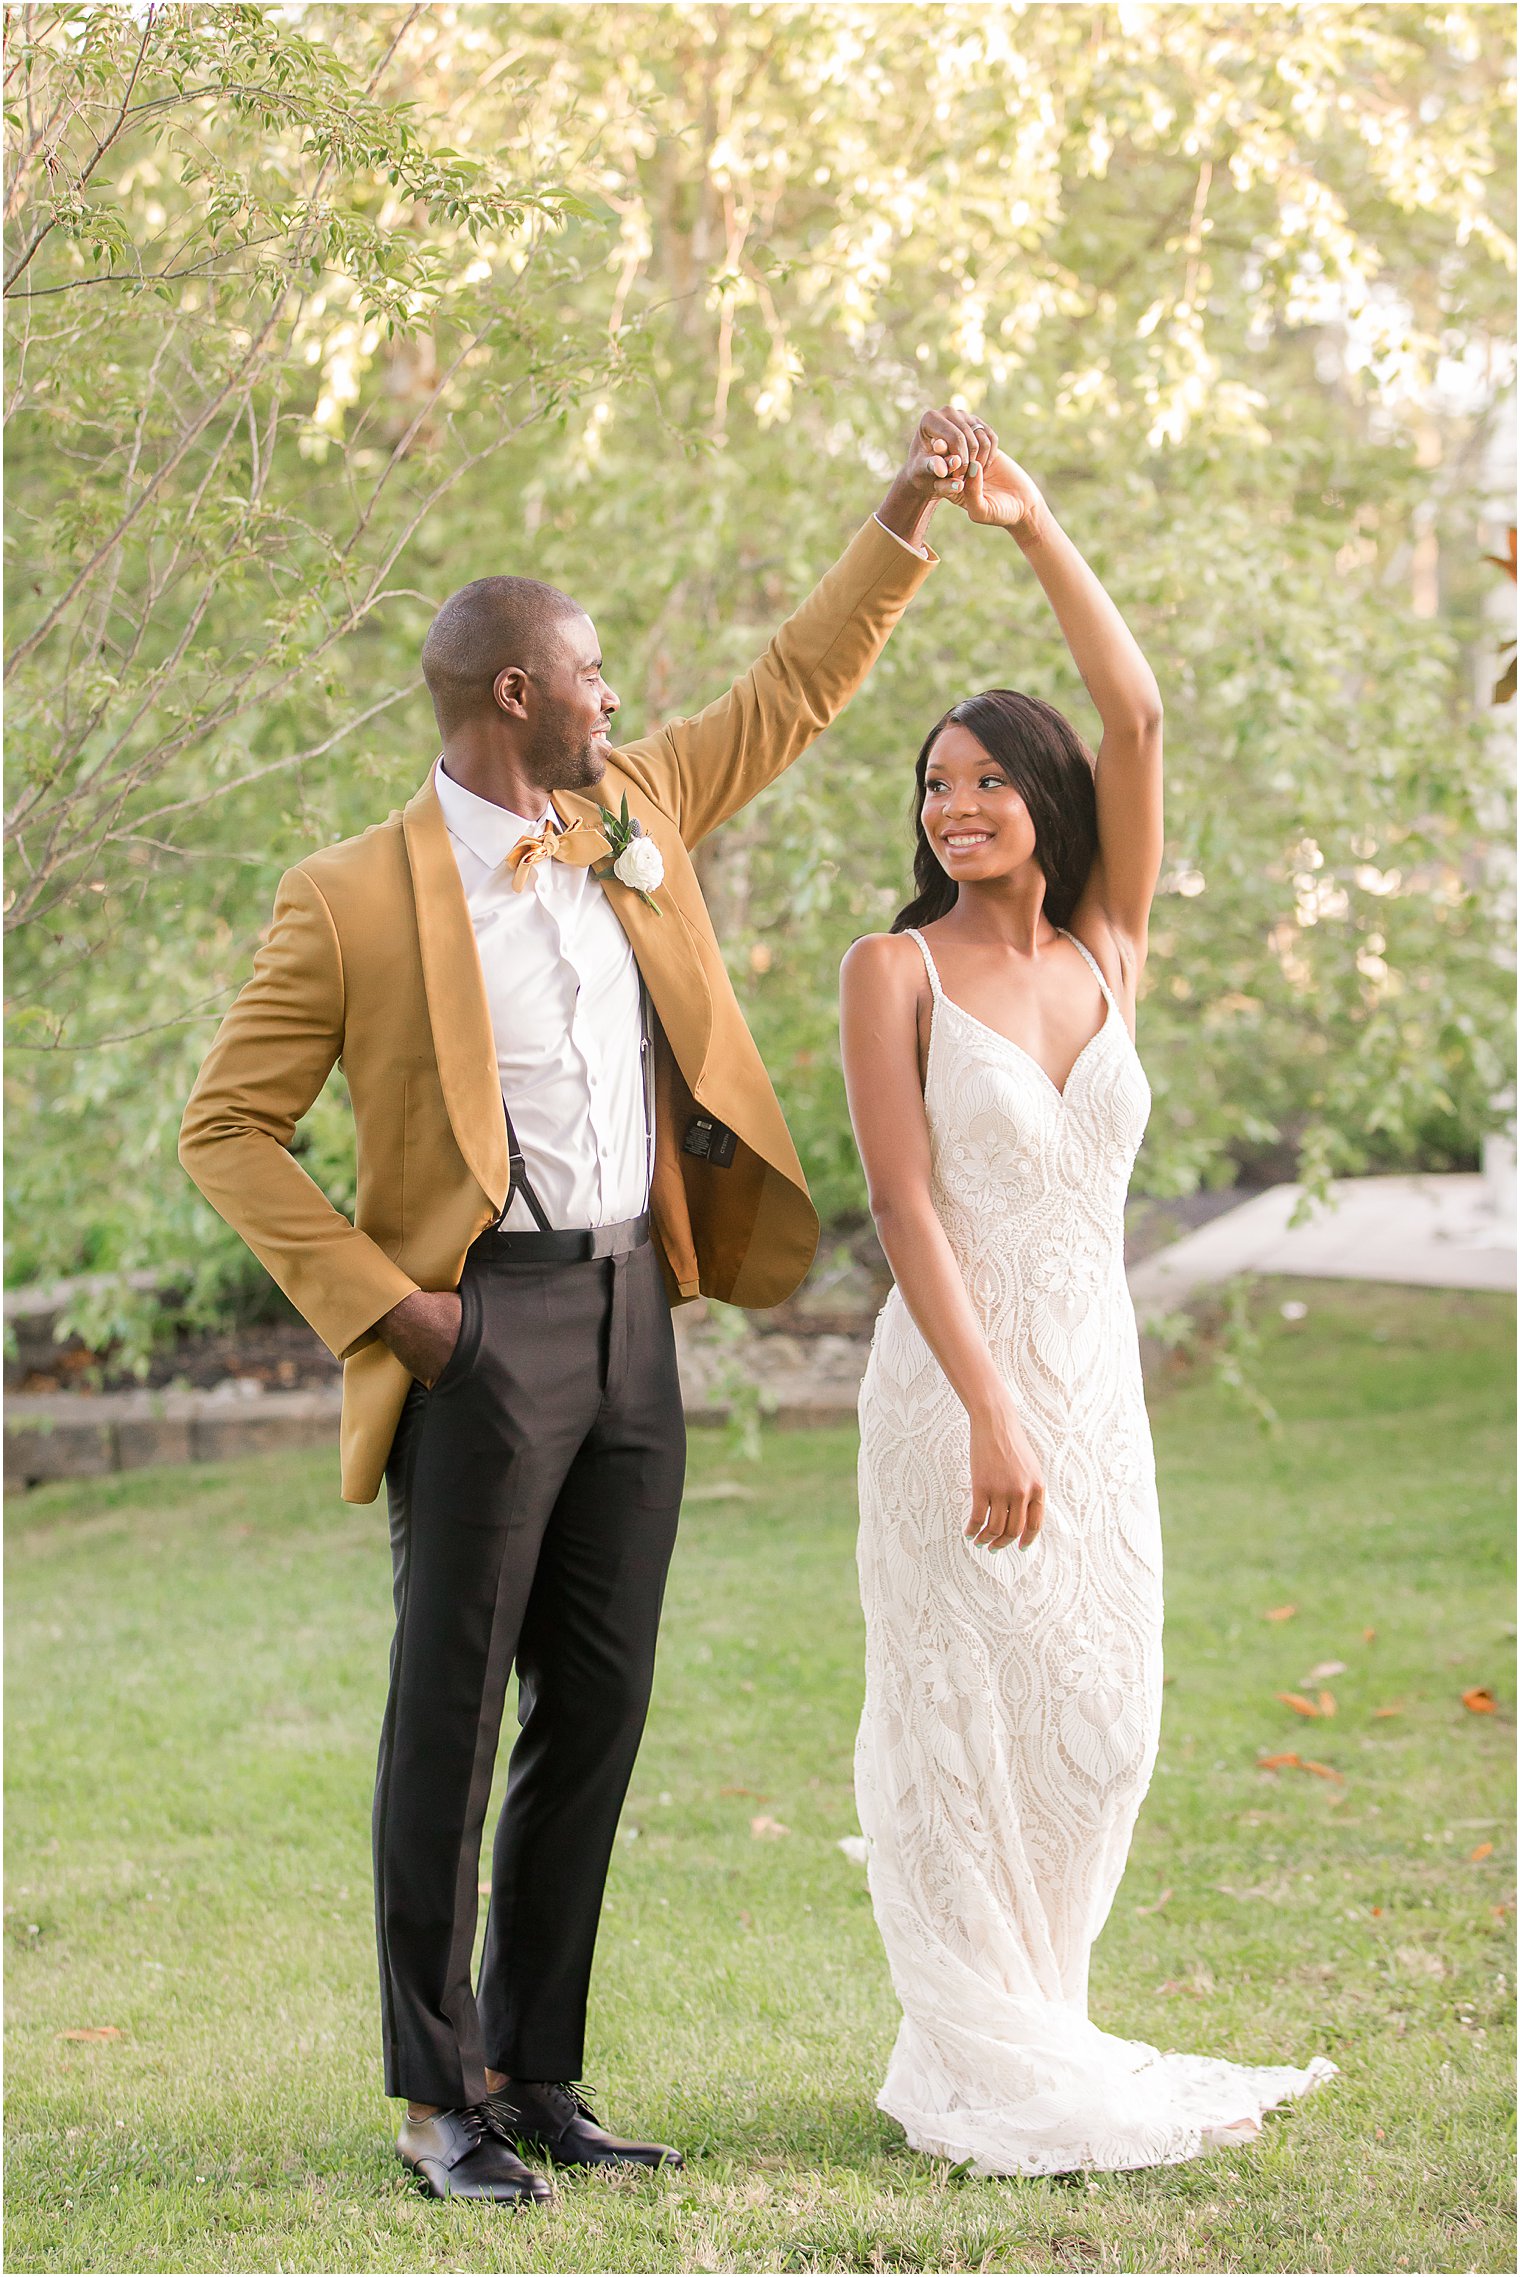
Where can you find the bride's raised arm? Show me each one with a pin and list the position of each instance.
(1122, 686)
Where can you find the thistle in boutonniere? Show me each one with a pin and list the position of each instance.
(636, 860)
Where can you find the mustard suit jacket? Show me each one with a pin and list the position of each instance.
(370, 962)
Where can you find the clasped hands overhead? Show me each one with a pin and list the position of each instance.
(955, 456)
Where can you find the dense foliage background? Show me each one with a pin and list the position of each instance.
(316, 313)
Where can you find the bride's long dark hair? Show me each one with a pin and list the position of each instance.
(1050, 767)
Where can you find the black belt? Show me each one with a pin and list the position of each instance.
(568, 1245)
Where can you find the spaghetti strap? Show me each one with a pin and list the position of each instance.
(1083, 950)
(934, 980)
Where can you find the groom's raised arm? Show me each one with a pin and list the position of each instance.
(704, 769)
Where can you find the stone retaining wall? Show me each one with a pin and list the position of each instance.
(73, 1435)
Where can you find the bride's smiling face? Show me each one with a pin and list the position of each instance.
(973, 817)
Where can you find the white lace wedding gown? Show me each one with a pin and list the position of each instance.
(1013, 1699)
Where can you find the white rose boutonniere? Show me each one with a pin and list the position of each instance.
(636, 860)
(640, 865)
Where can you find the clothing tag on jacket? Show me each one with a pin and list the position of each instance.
(711, 1141)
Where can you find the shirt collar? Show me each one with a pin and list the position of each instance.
(489, 831)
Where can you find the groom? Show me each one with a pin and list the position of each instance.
(563, 1128)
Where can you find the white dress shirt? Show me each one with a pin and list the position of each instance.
(562, 987)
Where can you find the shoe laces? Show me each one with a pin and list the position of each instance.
(478, 2120)
(574, 2095)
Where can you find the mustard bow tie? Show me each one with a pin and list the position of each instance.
(579, 843)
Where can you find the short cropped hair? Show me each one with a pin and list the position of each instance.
(479, 632)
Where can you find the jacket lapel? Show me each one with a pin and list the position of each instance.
(461, 1022)
(667, 950)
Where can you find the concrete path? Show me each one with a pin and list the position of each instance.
(1448, 1232)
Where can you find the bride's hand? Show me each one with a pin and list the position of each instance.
(1004, 496)
(1007, 1487)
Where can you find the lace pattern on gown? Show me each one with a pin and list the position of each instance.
(1013, 1699)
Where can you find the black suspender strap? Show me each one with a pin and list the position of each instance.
(646, 1067)
(520, 1182)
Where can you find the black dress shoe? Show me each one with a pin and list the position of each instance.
(553, 2119)
(466, 2154)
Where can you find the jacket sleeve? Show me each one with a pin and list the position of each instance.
(270, 1058)
(702, 770)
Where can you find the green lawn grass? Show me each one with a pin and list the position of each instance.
(197, 1671)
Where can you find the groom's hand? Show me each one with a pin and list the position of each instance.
(949, 443)
(943, 447)
(423, 1330)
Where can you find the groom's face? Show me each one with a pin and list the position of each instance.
(571, 711)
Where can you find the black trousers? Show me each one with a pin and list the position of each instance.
(534, 1493)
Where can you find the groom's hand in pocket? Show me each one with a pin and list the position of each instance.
(1007, 1485)
(423, 1330)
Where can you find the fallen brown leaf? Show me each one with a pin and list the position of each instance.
(1368, 1635)
(1396, 1710)
(1299, 1705)
(753, 1793)
(1156, 1908)
(1280, 1613)
(1291, 1762)
(1327, 1703)
(767, 1829)
(1484, 1850)
(1480, 1700)
(93, 2032)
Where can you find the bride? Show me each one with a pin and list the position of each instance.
(1010, 1544)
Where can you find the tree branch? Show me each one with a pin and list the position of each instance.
(24, 258)
(138, 278)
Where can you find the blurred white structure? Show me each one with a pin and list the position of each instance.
(1452, 1231)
